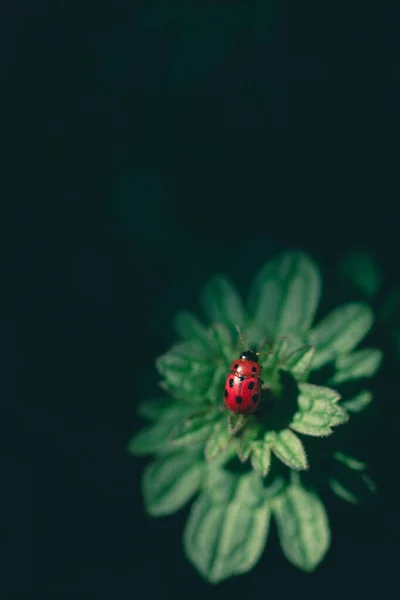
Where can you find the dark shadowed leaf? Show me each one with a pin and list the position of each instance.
(362, 270)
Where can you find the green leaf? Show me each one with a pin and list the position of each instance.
(349, 480)
(362, 270)
(279, 349)
(218, 440)
(236, 422)
(190, 328)
(222, 303)
(246, 441)
(299, 361)
(195, 428)
(222, 341)
(152, 408)
(340, 332)
(223, 540)
(261, 457)
(154, 438)
(359, 402)
(339, 417)
(170, 482)
(215, 391)
(352, 488)
(303, 527)
(187, 371)
(362, 363)
(318, 410)
(341, 492)
(285, 294)
(288, 448)
(352, 463)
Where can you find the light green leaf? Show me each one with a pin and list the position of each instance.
(246, 441)
(218, 440)
(339, 417)
(310, 393)
(154, 438)
(222, 303)
(222, 341)
(261, 457)
(223, 540)
(189, 327)
(215, 391)
(195, 428)
(359, 402)
(340, 332)
(285, 294)
(220, 484)
(288, 448)
(362, 270)
(303, 527)
(170, 482)
(187, 371)
(299, 361)
(350, 462)
(236, 422)
(279, 349)
(362, 363)
(318, 410)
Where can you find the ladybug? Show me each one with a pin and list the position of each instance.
(243, 384)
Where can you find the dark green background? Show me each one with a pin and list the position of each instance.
(150, 149)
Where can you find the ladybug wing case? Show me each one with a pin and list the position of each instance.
(242, 396)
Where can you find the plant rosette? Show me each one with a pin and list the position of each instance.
(242, 471)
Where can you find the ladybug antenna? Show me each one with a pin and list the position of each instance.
(265, 341)
(241, 338)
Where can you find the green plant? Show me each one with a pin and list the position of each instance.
(247, 470)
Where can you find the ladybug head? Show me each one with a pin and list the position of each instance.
(249, 355)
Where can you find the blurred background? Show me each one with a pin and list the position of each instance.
(151, 145)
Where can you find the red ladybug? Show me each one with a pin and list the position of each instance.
(243, 385)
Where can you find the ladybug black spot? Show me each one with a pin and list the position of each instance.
(231, 382)
(251, 385)
(235, 366)
(239, 399)
(255, 397)
(242, 378)
(226, 393)
(254, 369)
